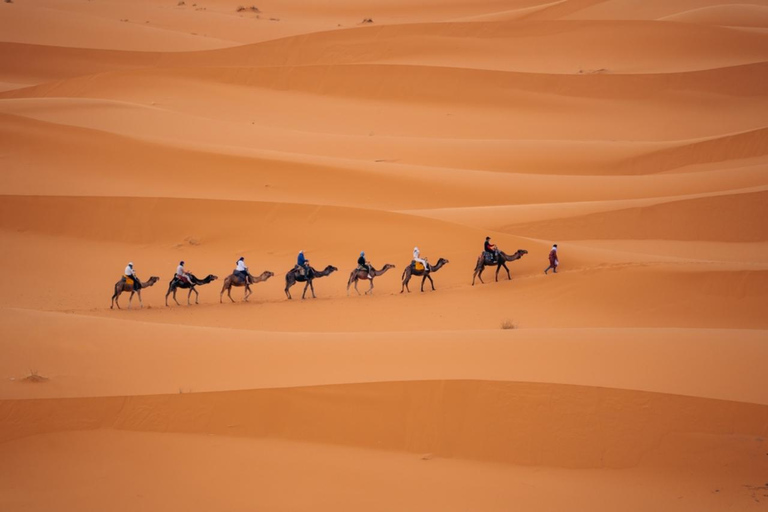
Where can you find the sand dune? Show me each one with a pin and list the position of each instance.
(737, 15)
(633, 134)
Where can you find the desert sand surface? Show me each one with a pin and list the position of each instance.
(634, 134)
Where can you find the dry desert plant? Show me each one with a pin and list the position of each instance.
(507, 324)
(34, 377)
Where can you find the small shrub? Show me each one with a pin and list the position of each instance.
(507, 324)
(367, 20)
(9, 1)
(33, 376)
(181, 2)
(252, 8)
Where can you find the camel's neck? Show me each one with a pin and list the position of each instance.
(436, 267)
(513, 257)
(324, 273)
(382, 271)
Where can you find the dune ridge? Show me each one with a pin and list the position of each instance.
(418, 417)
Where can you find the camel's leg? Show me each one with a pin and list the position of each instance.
(248, 292)
(312, 287)
(422, 281)
(190, 295)
(174, 297)
(116, 299)
(509, 276)
(406, 278)
(358, 291)
(479, 274)
(141, 302)
(130, 298)
(431, 282)
(497, 272)
(370, 290)
(306, 285)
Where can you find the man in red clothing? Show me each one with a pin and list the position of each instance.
(490, 251)
(553, 261)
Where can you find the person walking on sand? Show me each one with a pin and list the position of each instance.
(553, 260)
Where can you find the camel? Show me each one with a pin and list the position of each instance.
(358, 274)
(122, 286)
(175, 284)
(292, 277)
(235, 280)
(501, 262)
(411, 271)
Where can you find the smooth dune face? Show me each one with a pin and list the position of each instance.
(632, 134)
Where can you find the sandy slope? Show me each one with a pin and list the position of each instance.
(632, 133)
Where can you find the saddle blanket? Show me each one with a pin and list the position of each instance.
(128, 280)
(417, 265)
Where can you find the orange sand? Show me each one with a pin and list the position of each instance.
(633, 134)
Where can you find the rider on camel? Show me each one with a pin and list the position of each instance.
(302, 263)
(416, 258)
(241, 270)
(362, 264)
(491, 251)
(181, 273)
(131, 274)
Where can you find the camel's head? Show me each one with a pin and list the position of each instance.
(267, 274)
(522, 252)
(212, 277)
(152, 280)
(388, 266)
(442, 261)
(330, 269)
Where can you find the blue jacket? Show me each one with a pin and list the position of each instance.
(302, 259)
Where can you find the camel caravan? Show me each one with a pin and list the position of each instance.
(303, 272)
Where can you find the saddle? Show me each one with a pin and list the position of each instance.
(301, 273)
(128, 280)
(490, 258)
(417, 265)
